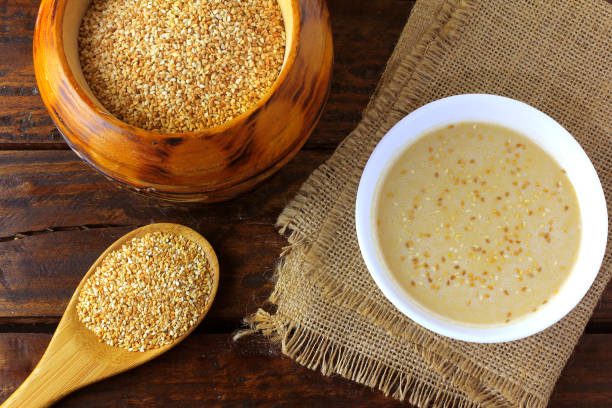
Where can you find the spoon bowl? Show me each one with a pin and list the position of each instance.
(75, 357)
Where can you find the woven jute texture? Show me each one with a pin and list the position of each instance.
(329, 315)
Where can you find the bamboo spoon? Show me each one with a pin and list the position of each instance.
(75, 357)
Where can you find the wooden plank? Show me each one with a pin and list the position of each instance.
(601, 321)
(58, 215)
(23, 118)
(364, 35)
(366, 28)
(43, 189)
(586, 381)
(39, 273)
(209, 369)
(66, 214)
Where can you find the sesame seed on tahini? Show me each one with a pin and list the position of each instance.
(181, 65)
(147, 293)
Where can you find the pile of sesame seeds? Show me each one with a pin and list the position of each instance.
(183, 65)
(147, 293)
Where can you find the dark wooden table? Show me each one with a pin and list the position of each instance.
(57, 215)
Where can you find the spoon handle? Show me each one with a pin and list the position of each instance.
(60, 371)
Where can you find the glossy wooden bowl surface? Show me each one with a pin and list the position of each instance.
(210, 165)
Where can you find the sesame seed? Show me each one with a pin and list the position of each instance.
(479, 220)
(147, 293)
(179, 66)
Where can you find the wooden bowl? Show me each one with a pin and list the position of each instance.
(210, 165)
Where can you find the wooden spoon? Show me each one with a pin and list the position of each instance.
(75, 357)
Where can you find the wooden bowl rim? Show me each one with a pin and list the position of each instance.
(101, 112)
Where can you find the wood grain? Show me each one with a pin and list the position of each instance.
(23, 117)
(63, 215)
(37, 281)
(211, 370)
(42, 189)
(75, 356)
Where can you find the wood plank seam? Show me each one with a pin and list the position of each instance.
(85, 227)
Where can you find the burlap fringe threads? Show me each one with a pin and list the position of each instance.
(318, 353)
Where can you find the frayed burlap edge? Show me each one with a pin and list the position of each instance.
(316, 352)
(309, 240)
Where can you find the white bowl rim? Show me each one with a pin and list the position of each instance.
(546, 133)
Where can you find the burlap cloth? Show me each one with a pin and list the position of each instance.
(330, 316)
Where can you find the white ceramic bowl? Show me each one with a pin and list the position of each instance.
(542, 130)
